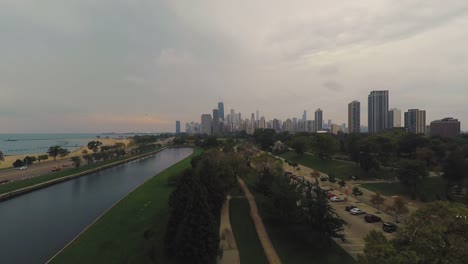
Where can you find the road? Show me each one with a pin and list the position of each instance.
(34, 170)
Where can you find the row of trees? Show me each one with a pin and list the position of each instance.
(192, 233)
(295, 201)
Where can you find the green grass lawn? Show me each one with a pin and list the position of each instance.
(8, 187)
(291, 244)
(430, 189)
(250, 248)
(132, 231)
(342, 169)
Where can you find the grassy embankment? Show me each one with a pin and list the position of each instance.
(248, 243)
(291, 244)
(133, 230)
(342, 169)
(16, 185)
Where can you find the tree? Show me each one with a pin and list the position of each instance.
(1, 156)
(18, 163)
(324, 146)
(455, 168)
(89, 158)
(63, 153)
(265, 138)
(282, 204)
(42, 157)
(76, 161)
(435, 233)
(267, 167)
(29, 160)
(299, 144)
(342, 183)
(377, 200)
(357, 191)
(94, 145)
(84, 151)
(398, 207)
(411, 173)
(54, 151)
(315, 174)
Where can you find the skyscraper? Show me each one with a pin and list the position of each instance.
(354, 117)
(206, 124)
(177, 127)
(318, 120)
(415, 121)
(215, 124)
(378, 111)
(221, 110)
(394, 118)
(304, 116)
(257, 116)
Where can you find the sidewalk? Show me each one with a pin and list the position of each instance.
(228, 242)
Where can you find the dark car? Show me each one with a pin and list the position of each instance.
(349, 207)
(389, 227)
(370, 218)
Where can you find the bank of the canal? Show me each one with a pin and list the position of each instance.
(36, 225)
(133, 230)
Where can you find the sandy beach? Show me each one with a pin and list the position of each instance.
(7, 163)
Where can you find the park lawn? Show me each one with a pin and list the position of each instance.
(291, 244)
(342, 169)
(16, 185)
(133, 230)
(431, 189)
(248, 243)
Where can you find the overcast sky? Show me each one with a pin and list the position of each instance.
(129, 65)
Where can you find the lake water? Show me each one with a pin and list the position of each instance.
(36, 225)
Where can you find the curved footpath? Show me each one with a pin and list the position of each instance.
(270, 251)
(24, 190)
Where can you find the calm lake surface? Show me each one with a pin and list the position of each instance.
(35, 226)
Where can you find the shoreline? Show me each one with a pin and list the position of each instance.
(21, 191)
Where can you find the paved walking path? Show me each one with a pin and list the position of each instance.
(228, 242)
(270, 251)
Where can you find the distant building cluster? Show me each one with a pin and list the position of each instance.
(380, 118)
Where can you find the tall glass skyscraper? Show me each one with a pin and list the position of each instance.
(354, 117)
(221, 110)
(318, 120)
(177, 127)
(377, 111)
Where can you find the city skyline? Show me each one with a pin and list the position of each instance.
(138, 66)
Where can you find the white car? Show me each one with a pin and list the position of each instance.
(336, 199)
(356, 211)
(22, 168)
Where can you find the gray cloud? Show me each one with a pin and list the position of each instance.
(333, 86)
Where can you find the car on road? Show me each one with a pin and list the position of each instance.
(23, 168)
(356, 211)
(389, 227)
(349, 207)
(370, 218)
(336, 199)
(54, 169)
(330, 195)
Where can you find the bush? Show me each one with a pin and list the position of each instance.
(323, 178)
(357, 191)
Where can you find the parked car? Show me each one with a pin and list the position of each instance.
(370, 218)
(23, 168)
(349, 207)
(356, 211)
(389, 227)
(336, 199)
(330, 195)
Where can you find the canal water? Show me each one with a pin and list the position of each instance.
(35, 226)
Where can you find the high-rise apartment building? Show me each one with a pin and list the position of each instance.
(304, 116)
(177, 127)
(215, 123)
(446, 127)
(221, 110)
(354, 117)
(394, 118)
(206, 124)
(415, 121)
(276, 125)
(377, 111)
(318, 120)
